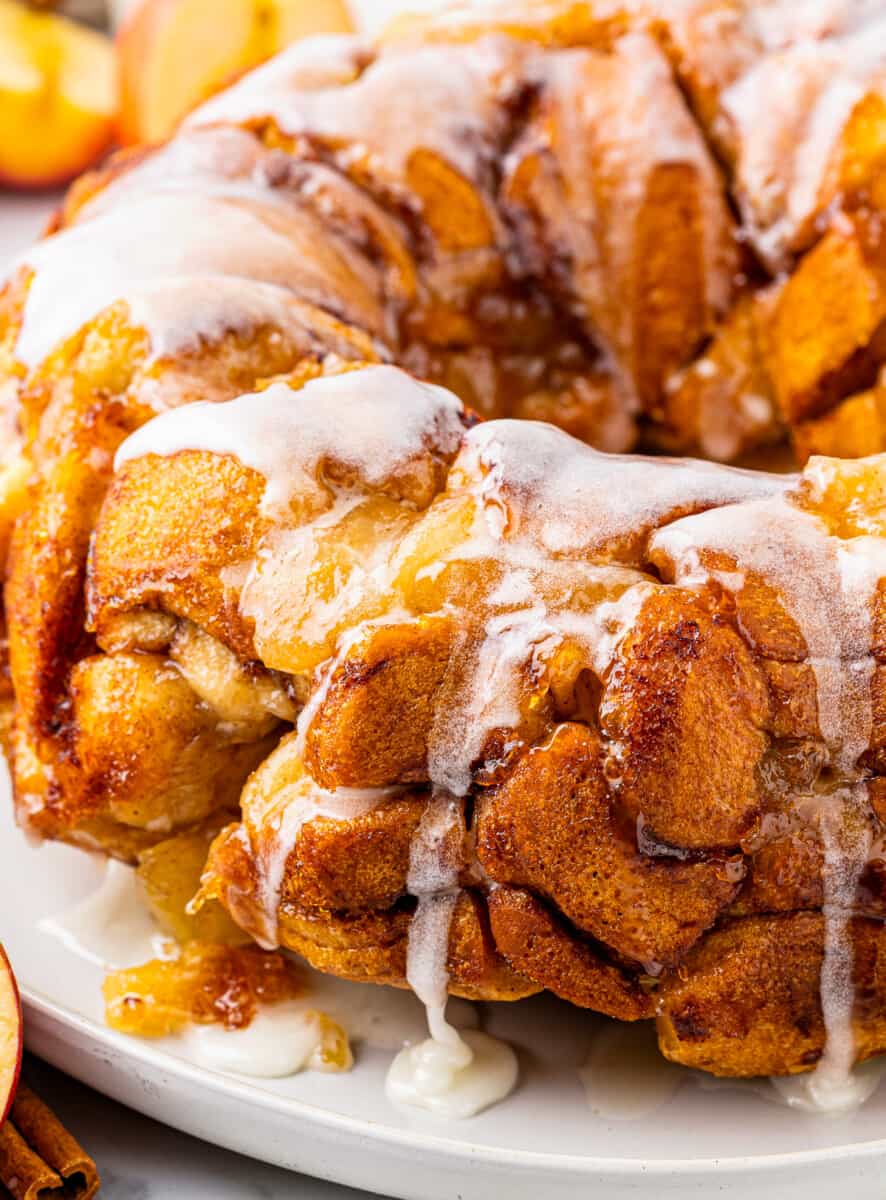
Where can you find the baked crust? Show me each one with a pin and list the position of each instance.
(621, 678)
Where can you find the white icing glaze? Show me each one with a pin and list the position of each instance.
(846, 838)
(380, 1017)
(315, 88)
(373, 15)
(314, 64)
(577, 500)
(186, 242)
(210, 209)
(181, 312)
(778, 23)
(434, 863)
(826, 585)
(541, 505)
(788, 114)
(449, 1073)
(792, 1090)
(490, 679)
(453, 1081)
(280, 1040)
(380, 430)
(486, 695)
(804, 1092)
(322, 680)
(280, 821)
(111, 926)
(546, 504)
(376, 421)
(228, 164)
(537, 500)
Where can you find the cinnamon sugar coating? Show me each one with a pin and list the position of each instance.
(328, 601)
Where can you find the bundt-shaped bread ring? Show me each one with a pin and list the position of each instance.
(473, 704)
(598, 705)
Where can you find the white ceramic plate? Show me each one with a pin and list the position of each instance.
(543, 1141)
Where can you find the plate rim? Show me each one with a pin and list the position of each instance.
(410, 1141)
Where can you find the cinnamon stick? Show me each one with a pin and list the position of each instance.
(23, 1172)
(39, 1159)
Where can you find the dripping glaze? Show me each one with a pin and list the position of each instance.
(539, 505)
(829, 589)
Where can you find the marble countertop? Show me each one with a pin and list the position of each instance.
(141, 1160)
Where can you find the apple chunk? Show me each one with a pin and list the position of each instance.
(175, 53)
(10, 1035)
(58, 97)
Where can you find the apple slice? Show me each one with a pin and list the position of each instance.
(58, 97)
(175, 53)
(10, 1035)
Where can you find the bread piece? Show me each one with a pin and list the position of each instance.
(618, 717)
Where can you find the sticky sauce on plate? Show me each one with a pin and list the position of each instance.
(454, 1078)
(280, 1040)
(111, 926)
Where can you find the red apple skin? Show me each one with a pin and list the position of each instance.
(12, 1082)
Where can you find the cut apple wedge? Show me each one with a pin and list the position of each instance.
(10, 1035)
(58, 97)
(175, 53)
